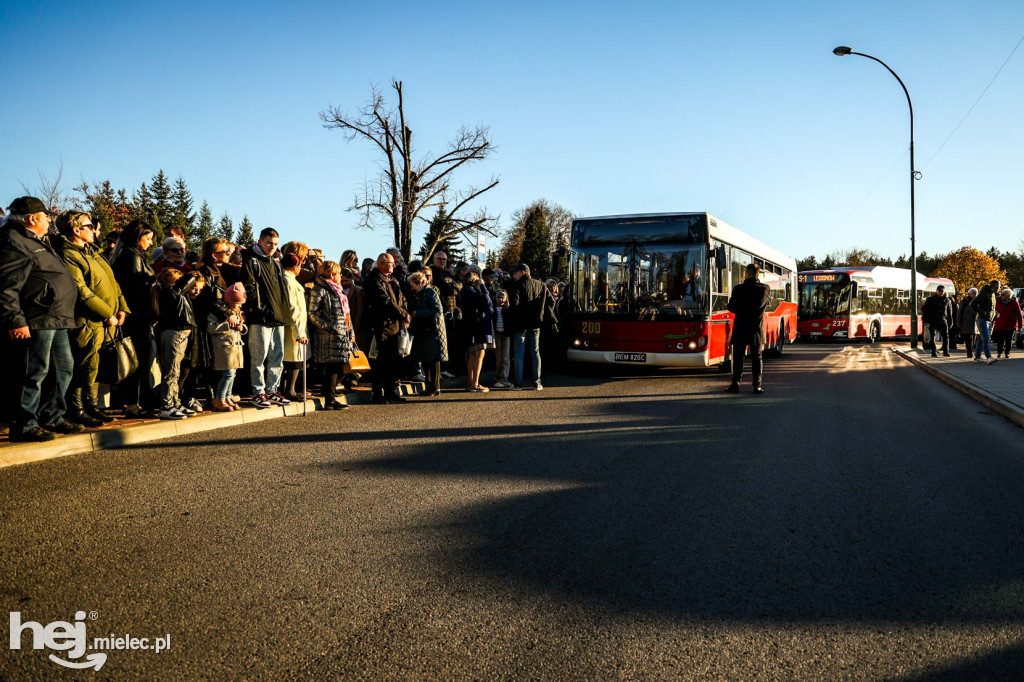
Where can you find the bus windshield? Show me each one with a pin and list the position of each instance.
(640, 279)
(824, 299)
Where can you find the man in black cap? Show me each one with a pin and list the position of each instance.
(748, 303)
(37, 308)
(530, 305)
(937, 313)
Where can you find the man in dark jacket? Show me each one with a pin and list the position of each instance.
(984, 306)
(748, 303)
(388, 315)
(444, 281)
(966, 320)
(530, 306)
(937, 313)
(37, 308)
(266, 312)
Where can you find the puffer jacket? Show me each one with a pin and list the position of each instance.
(99, 295)
(332, 339)
(225, 342)
(174, 307)
(36, 290)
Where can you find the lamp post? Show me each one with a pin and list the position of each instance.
(842, 51)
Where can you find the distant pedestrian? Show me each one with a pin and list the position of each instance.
(429, 339)
(530, 307)
(748, 303)
(984, 305)
(267, 313)
(967, 318)
(1008, 321)
(938, 314)
(502, 341)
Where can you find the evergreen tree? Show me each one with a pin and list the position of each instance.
(161, 193)
(204, 228)
(226, 229)
(435, 240)
(536, 250)
(245, 236)
(142, 203)
(181, 207)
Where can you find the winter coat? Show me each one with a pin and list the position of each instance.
(938, 310)
(530, 305)
(296, 329)
(385, 305)
(966, 317)
(332, 339)
(135, 276)
(357, 309)
(429, 338)
(226, 343)
(1008, 316)
(748, 303)
(174, 306)
(475, 304)
(984, 304)
(266, 293)
(444, 282)
(36, 290)
(99, 296)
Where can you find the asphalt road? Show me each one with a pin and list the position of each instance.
(860, 520)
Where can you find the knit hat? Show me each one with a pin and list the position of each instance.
(235, 294)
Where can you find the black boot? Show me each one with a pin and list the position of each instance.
(75, 413)
(89, 406)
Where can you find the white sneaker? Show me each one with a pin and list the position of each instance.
(991, 361)
(978, 359)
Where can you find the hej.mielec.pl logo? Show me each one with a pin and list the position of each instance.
(71, 637)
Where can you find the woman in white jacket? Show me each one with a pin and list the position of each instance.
(295, 336)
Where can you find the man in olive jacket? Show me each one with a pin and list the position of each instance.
(100, 309)
(388, 315)
(37, 305)
(748, 303)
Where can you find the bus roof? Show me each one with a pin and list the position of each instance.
(722, 231)
(889, 277)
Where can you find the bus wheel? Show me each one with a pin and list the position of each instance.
(780, 341)
(874, 333)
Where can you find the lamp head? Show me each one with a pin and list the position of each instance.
(842, 51)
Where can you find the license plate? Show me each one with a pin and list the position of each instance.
(631, 357)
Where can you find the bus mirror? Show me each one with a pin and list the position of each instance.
(853, 291)
(720, 260)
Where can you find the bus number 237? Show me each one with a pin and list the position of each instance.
(591, 328)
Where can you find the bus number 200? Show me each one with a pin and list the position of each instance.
(591, 328)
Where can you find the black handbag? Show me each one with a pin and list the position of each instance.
(117, 359)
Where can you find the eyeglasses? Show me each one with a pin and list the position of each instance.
(174, 250)
(82, 227)
(222, 252)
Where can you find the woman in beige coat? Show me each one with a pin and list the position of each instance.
(295, 334)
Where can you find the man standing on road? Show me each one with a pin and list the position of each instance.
(748, 303)
(37, 308)
(937, 313)
(530, 305)
(267, 312)
(388, 313)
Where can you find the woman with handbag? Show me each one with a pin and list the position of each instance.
(429, 342)
(333, 337)
(99, 311)
(134, 274)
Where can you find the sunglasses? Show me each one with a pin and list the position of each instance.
(175, 250)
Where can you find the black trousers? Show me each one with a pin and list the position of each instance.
(942, 329)
(969, 342)
(385, 367)
(738, 352)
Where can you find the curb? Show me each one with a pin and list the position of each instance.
(990, 401)
(23, 453)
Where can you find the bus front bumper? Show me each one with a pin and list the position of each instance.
(650, 359)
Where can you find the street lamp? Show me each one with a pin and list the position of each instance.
(842, 51)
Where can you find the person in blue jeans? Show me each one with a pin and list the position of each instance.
(530, 305)
(37, 308)
(984, 304)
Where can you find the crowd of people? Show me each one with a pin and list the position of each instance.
(73, 300)
(986, 314)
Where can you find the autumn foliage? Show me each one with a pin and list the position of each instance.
(968, 267)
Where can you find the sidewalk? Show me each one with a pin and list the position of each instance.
(999, 387)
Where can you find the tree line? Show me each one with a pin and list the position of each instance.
(966, 266)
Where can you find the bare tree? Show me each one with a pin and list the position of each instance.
(405, 187)
(51, 192)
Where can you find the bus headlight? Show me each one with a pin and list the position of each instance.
(576, 343)
(692, 345)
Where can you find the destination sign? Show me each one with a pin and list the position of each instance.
(823, 277)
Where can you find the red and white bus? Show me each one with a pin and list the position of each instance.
(861, 302)
(652, 289)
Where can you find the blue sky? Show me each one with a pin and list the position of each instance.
(737, 108)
